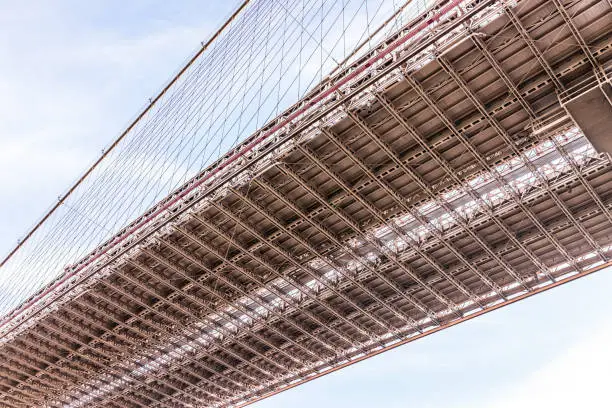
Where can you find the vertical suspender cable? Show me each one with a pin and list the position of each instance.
(116, 142)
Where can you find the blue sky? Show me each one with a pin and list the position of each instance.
(73, 73)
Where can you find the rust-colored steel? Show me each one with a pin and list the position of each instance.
(438, 179)
(439, 328)
(227, 162)
(127, 130)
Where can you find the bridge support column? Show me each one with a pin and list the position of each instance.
(589, 103)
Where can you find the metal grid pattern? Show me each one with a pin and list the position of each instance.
(449, 183)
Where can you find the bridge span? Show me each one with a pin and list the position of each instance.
(461, 165)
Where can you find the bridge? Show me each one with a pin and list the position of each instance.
(459, 164)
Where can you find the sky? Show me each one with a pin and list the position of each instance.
(73, 74)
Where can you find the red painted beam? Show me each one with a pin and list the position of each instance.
(435, 330)
(117, 240)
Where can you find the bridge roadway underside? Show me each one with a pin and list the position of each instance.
(458, 187)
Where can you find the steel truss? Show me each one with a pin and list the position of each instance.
(431, 188)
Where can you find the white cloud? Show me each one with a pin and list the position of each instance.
(70, 81)
(66, 93)
(580, 377)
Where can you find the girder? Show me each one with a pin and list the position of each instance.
(494, 123)
(442, 182)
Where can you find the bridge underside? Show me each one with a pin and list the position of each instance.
(452, 186)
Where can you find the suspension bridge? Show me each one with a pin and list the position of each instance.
(323, 181)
